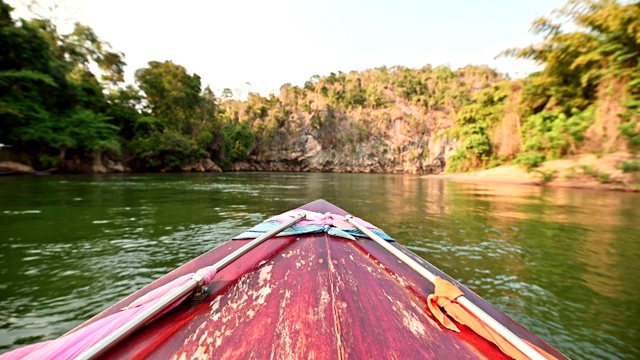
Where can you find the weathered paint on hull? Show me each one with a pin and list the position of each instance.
(315, 297)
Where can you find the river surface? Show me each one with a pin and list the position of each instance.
(565, 263)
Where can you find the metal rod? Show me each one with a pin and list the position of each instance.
(255, 242)
(507, 334)
(141, 319)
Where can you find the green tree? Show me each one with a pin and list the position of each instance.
(591, 62)
(123, 110)
(179, 119)
(50, 101)
(171, 93)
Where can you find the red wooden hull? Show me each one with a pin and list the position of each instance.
(312, 296)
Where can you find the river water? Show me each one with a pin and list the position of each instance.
(565, 263)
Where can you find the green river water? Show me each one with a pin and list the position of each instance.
(565, 263)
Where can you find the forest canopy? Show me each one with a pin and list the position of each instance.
(63, 100)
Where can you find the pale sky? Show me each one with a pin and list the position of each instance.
(272, 42)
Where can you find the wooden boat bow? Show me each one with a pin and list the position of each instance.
(311, 296)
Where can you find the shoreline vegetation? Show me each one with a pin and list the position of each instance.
(64, 108)
(617, 172)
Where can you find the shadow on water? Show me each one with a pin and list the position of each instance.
(560, 261)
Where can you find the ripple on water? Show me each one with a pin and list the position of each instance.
(22, 212)
(92, 274)
(561, 262)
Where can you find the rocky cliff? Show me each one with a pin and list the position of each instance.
(382, 120)
(398, 148)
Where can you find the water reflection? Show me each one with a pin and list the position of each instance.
(563, 262)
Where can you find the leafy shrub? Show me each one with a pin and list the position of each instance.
(48, 160)
(530, 159)
(588, 170)
(630, 166)
(556, 134)
(600, 176)
(495, 161)
(628, 131)
(457, 163)
(238, 140)
(547, 174)
(167, 149)
(603, 177)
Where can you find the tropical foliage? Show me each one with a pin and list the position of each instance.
(62, 97)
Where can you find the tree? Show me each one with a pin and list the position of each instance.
(589, 66)
(171, 93)
(124, 110)
(49, 100)
(227, 94)
(180, 120)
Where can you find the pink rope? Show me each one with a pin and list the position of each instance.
(207, 273)
(73, 344)
(316, 218)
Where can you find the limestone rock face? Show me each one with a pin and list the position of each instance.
(365, 122)
(92, 164)
(114, 166)
(396, 149)
(15, 167)
(204, 165)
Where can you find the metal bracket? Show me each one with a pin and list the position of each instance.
(200, 294)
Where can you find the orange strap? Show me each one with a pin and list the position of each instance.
(444, 298)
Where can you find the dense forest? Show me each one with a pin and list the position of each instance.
(64, 106)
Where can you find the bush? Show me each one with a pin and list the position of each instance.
(600, 176)
(629, 132)
(457, 163)
(530, 159)
(588, 170)
(604, 177)
(555, 133)
(167, 149)
(630, 166)
(238, 141)
(547, 174)
(494, 161)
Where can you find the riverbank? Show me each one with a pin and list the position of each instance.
(617, 171)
